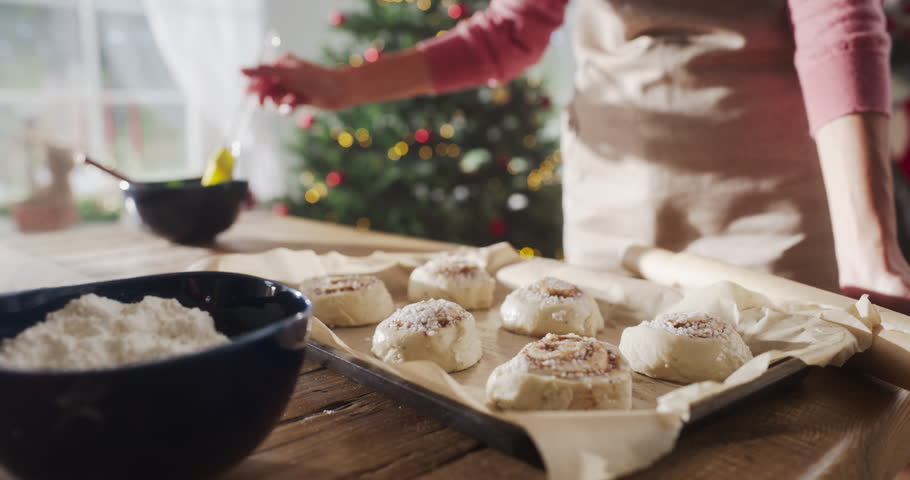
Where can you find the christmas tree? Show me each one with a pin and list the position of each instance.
(471, 167)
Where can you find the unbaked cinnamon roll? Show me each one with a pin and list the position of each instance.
(562, 372)
(348, 300)
(439, 331)
(550, 305)
(684, 347)
(453, 278)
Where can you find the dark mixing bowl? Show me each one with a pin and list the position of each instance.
(185, 417)
(184, 211)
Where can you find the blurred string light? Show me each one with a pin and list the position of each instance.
(345, 139)
(307, 178)
(424, 4)
(362, 223)
(393, 154)
(441, 149)
(535, 178)
(362, 135)
(321, 189)
(355, 60)
(526, 253)
(529, 141)
(517, 201)
(453, 150)
(421, 191)
(371, 54)
(501, 95)
(461, 193)
(422, 135)
(425, 152)
(455, 11)
(447, 130)
(517, 165)
(333, 179)
(401, 148)
(311, 196)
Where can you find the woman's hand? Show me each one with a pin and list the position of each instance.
(887, 282)
(294, 82)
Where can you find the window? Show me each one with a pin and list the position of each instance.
(88, 75)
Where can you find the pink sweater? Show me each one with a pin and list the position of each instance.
(842, 50)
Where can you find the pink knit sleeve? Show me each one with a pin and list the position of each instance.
(842, 49)
(495, 44)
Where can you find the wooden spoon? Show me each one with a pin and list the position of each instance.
(83, 158)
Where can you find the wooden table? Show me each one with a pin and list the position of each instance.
(835, 424)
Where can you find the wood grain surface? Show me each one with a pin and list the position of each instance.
(835, 424)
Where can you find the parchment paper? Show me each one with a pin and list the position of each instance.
(587, 444)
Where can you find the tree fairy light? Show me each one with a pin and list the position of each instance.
(447, 130)
(345, 139)
(307, 178)
(453, 150)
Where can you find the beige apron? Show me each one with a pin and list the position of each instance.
(687, 131)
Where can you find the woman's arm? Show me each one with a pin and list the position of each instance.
(495, 44)
(855, 160)
(294, 82)
(842, 50)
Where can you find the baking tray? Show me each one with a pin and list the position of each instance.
(508, 437)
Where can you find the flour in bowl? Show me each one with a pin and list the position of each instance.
(93, 332)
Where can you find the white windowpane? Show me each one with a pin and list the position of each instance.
(147, 142)
(129, 55)
(39, 47)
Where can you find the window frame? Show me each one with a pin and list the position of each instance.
(93, 95)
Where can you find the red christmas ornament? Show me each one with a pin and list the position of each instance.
(545, 102)
(336, 18)
(422, 135)
(280, 209)
(305, 121)
(497, 227)
(371, 54)
(334, 178)
(456, 11)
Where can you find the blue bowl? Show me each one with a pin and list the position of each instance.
(185, 211)
(184, 417)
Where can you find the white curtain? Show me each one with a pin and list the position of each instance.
(205, 43)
